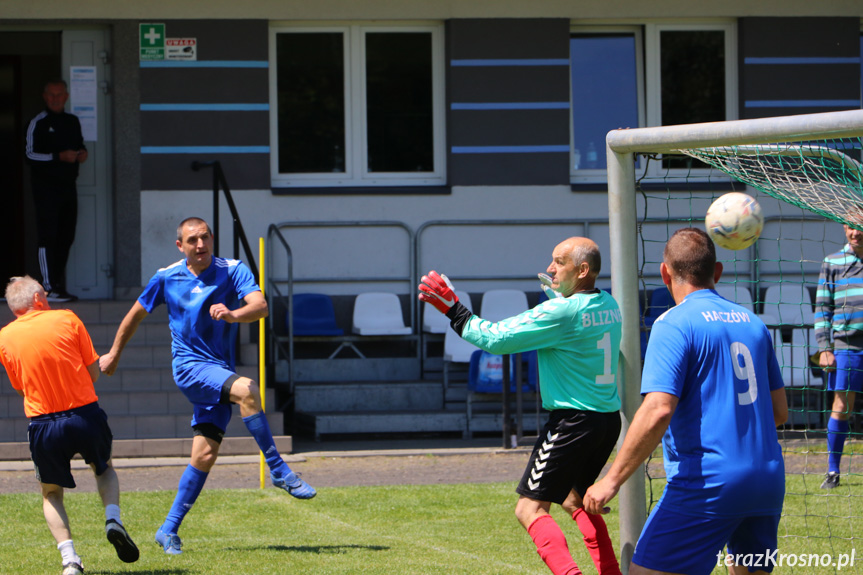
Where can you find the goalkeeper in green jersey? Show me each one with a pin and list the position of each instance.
(577, 337)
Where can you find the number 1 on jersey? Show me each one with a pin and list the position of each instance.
(605, 345)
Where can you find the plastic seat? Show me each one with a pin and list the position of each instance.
(379, 313)
(499, 304)
(788, 304)
(794, 359)
(436, 322)
(660, 302)
(495, 384)
(803, 386)
(314, 315)
(738, 294)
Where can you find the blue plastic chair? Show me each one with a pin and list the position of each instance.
(530, 373)
(660, 302)
(314, 315)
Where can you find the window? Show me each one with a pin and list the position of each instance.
(605, 75)
(357, 106)
(683, 74)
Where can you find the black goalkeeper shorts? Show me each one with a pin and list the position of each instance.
(570, 453)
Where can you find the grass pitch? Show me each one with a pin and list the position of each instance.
(450, 529)
(403, 530)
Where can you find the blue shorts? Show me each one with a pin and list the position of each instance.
(56, 437)
(208, 387)
(848, 375)
(679, 543)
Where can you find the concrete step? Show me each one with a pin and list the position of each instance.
(319, 424)
(146, 426)
(367, 396)
(20, 451)
(351, 369)
(493, 422)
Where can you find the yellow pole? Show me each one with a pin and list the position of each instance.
(262, 351)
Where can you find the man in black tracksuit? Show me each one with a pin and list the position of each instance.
(54, 148)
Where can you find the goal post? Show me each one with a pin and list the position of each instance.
(735, 137)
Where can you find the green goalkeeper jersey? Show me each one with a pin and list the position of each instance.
(578, 344)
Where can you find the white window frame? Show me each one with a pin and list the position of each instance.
(653, 84)
(648, 66)
(599, 174)
(356, 154)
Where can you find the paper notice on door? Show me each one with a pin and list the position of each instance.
(83, 99)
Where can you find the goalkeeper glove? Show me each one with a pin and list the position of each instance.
(437, 290)
(545, 284)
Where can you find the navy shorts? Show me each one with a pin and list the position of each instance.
(56, 437)
(679, 543)
(848, 375)
(569, 454)
(208, 387)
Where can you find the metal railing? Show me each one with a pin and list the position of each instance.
(239, 235)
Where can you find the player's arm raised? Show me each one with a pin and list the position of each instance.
(437, 290)
(255, 309)
(128, 327)
(644, 434)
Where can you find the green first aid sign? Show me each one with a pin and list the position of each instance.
(152, 39)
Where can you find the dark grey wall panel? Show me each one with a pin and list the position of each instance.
(509, 169)
(800, 37)
(495, 83)
(508, 38)
(174, 171)
(224, 85)
(184, 113)
(798, 66)
(223, 39)
(210, 128)
(766, 82)
(508, 101)
(509, 127)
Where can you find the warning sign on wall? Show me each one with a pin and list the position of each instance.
(181, 48)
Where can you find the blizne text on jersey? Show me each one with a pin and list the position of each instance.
(603, 317)
(726, 316)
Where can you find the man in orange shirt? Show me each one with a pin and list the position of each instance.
(51, 363)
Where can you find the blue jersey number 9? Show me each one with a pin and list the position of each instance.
(745, 372)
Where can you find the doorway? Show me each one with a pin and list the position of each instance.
(27, 59)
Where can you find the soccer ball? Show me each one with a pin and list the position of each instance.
(734, 221)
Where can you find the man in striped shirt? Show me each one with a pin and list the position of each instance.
(839, 333)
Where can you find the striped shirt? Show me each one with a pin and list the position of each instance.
(839, 302)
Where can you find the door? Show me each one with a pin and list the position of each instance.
(89, 272)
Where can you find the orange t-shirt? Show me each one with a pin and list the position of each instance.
(46, 354)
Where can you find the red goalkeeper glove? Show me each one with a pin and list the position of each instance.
(437, 290)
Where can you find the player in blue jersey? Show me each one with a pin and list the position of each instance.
(577, 337)
(207, 297)
(713, 393)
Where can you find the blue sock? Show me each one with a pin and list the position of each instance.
(260, 430)
(190, 487)
(837, 431)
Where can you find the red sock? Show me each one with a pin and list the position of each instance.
(598, 542)
(551, 545)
